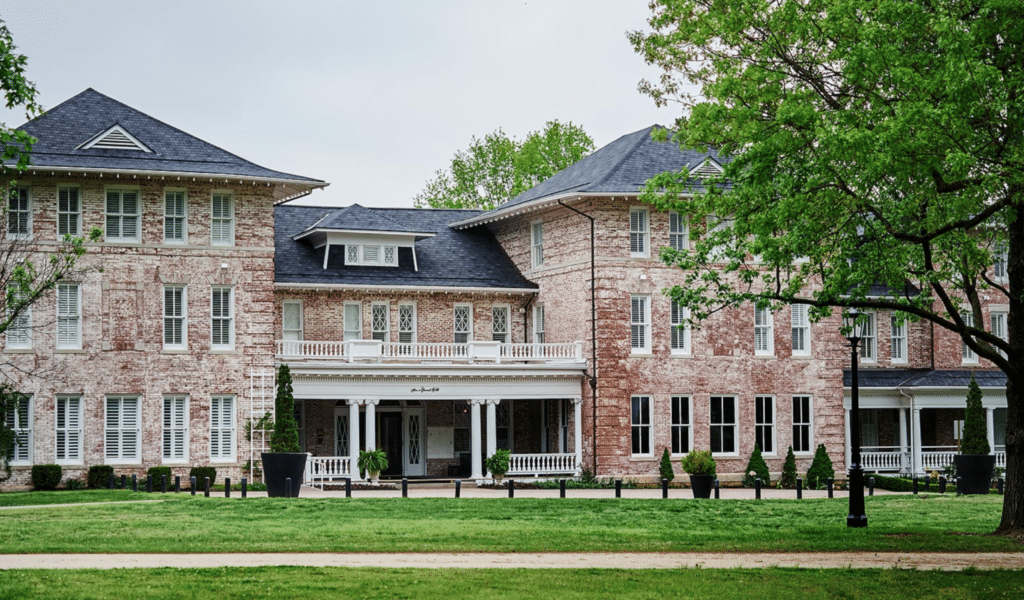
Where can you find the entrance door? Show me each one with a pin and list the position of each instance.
(391, 441)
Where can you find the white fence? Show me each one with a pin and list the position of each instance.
(470, 352)
(933, 458)
(327, 469)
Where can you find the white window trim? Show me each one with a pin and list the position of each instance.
(230, 345)
(774, 425)
(967, 355)
(164, 450)
(644, 323)
(682, 232)
(539, 335)
(734, 424)
(469, 332)
(374, 332)
(412, 332)
(79, 430)
(673, 425)
(121, 429)
(811, 448)
(183, 345)
(799, 320)
(300, 331)
(768, 324)
(76, 317)
(1001, 257)
(648, 426)
(230, 219)
(869, 341)
(27, 430)
(360, 258)
(183, 217)
(19, 332)
(27, 234)
(232, 429)
(683, 313)
(356, 328)
(121, 238)
(537, 244)
(902, 342)
(78, 213)
(1004, 315)
(644, 232)
(508, 322)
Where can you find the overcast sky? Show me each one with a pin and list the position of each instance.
(372, 97)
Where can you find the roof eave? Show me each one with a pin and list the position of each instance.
(421, 289)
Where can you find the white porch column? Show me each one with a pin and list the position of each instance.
(916, 428)
(474, 440)
(371, 423)
(577, 421)
(353, 438)
(904, 467)
(492, 426)
(849, 439)
(990, 428)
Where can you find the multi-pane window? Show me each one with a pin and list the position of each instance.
(222, 428)
(371, 255)
(462, 419)
(380, 322)
(175, 216)
(19, 420)
(291, 320)
(801, 327)
(538, 324)
(503, 425)
(680, 330)
(341, 435)
(499, 323)
(175, 420)
(716, 224)
(19, 213)
(1001, 257)
(897, 339)
(802, 424)
(640, 324)
(122, 429)
(681, 430)
(868, 340)
(678, 231)
(998, 320)
(764, 338)
(123, 215)
(969, 356)
(222, 224)
(69, 212)
(68, 429)
(407, 323)
(640, 419)
(723, 424)
(69, 316)
(353, 321)
(537, 244)
(222, 318)
(764, 423)
(463, 323)
(19, 331)
(563, 427)
(639, 232)
(174, 317)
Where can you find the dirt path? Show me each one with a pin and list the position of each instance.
(842, 560)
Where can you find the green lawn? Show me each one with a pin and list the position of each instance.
(185, 524)
(283, 583)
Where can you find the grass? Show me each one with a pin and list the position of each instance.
(284, 583)
(186, 524)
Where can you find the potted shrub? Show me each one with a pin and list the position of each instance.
(284, 459)
(701, 468)
(497, 464)
(974, 464)
(373, 462)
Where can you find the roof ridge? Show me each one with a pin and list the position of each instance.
(626, 155)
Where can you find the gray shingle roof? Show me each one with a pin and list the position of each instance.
(360, 218)
(62, 129)
(924, 378)
(451, 258)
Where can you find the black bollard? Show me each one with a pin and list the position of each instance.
(664, 488)
(830, 495)
(245, 484)
(177, 484)
(124, 482)
(206, 486)
(915, 486)
(149, 484)
(110, 482)
(458, 488)
(942, 484)
(193, 482)
(287, 487)
(348, 487)
(405, 487)
(135, 483)
(927, 484)
(618, 488)
(871, 486)
(799, 488)
(227, 487)
(511, 488)
(999, 485)
(163, 484)
(561, 488)
(757, 488)
(716, 489)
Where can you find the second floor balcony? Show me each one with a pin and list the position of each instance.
(474, 352)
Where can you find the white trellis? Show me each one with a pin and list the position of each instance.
(261, 402)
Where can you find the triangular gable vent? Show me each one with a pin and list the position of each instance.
(708, 168)
(114, 138)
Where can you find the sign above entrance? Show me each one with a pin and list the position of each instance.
(425, 390)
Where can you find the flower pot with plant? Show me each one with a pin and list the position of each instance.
(284, 461)
(373, 462)
(701, 467)
(974, 464)
(497, 464)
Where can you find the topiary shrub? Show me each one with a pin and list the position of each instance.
(99, 476)
(821, 469)
(157, 472)
(666, 466)
(200, 472)
(286, 432)
(699, 462)
(789, 471)
(46, 477)
(975, 437)
(756, 469)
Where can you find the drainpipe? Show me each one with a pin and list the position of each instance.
(592, 377)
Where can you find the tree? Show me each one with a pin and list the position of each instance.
(285, 437)
(974, 439)
(667, 472)
(868, 142)
(756, 469)
(498, 168)
(788, 479)
(821, 469)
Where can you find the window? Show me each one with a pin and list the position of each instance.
(869, 427)
(353, 321)
(69, 430)
(122, 429)
(175, 217)
(69, 316)
(371, 255)
(682, 433)
(19, 213)
(19, 331)
(499, 323)
(1001, 257)
(291, 320)
(998, 320)
(802, 438)
(640, 324)
(341, 435)
(537, 244)
(69, 212)
(868, 341)
(764, 338)
(764, 423)
(678, 231)
(462, 419)
(19, 419)
(898, 341)
(563, 426)
(222, 225)
(175, 429)
(968, 354)
(174, 317)
(407, 323)
(222, 314)
(538, 324)
(463, 326)
(680, 330)
(723, 424)
(222, 428)
(641, 421)
(503, 425)
(715, 225)
(123, 215)
(380, 322)
(801, 329)
(639, 233)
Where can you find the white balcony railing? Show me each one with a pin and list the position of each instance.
(542, 464)
(470, 352)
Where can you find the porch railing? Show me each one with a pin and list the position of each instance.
(470, 352)
(327, 469)
(933, 458)
(542, 464)
(936, 458)
(883, 458)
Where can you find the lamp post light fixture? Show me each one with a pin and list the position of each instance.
(853, 330)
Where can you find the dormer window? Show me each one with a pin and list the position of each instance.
(371, 255)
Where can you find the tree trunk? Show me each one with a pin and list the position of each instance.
(1012, 522)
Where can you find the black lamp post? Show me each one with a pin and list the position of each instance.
(853, 330)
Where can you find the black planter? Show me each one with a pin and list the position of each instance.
(975, 472)
(279, 466)
(702, 485)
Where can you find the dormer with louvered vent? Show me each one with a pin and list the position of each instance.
(115, 138)
(708, 168)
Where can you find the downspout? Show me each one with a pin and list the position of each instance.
(592, 377)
